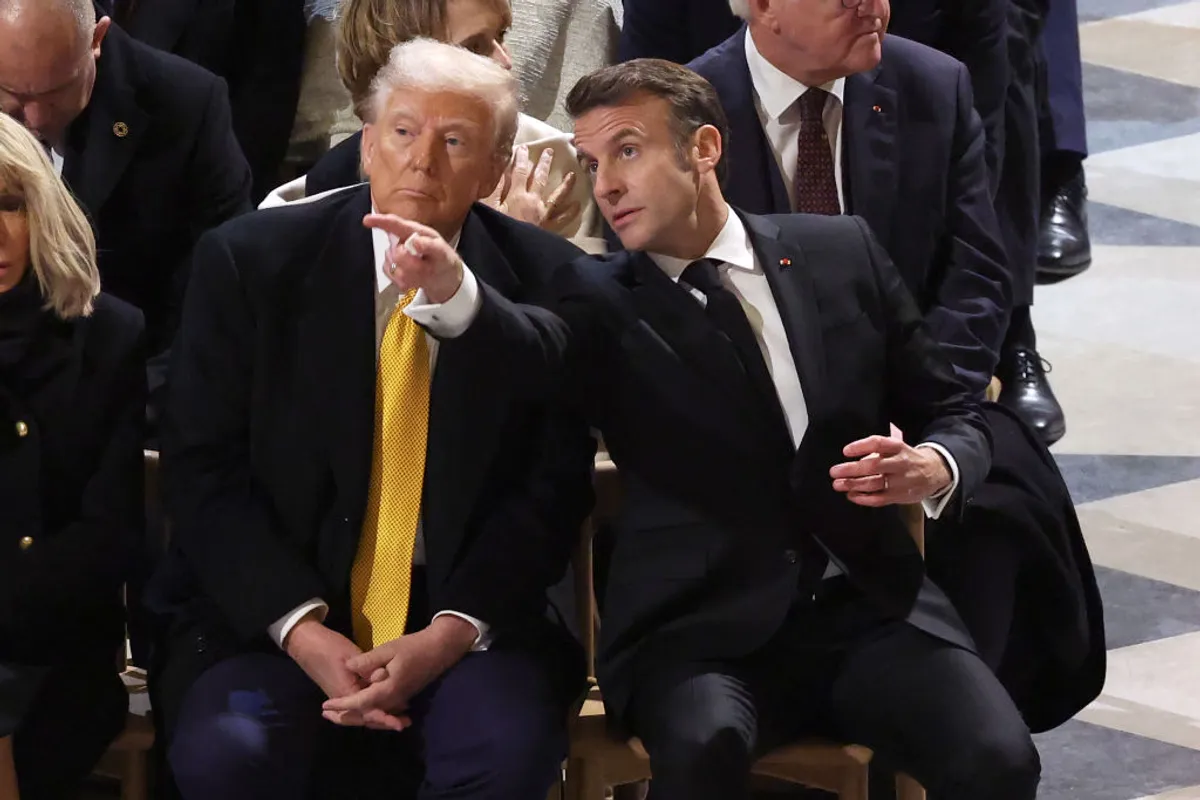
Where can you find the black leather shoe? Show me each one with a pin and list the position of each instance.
(1064, 246)
(1022, 373)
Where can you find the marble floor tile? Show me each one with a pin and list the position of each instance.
(1124, 109)
(1159, 178)
(1171, 508)
(1186, 793)
(1153, 690)
(1138, 610)
(1141, 549)
(1147, 48)
(1093, 477)
(1093, 10)
(1182, 15)
(1109, 225)
(1081, 761)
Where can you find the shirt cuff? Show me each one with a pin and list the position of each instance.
(283, 626)
(452, 318)
(483, 641)
(935, 505)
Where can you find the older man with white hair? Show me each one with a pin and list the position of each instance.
(371, 488)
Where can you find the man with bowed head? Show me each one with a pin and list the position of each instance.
(371, 488)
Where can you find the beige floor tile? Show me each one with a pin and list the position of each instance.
(1186, 793)
(1184, 15)
(1120, 400)
(1153, 690)
(1174, 507)
(1141, 549)
(1160, 178)
(1167, 52)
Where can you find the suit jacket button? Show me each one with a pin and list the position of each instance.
(790, 556)
(25, 543)
(201, 644)
(22, 429)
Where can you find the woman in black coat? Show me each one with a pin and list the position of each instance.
(72, 404)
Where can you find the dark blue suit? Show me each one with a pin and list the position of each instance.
(913, 167)
(1064, 81)
(677, 30)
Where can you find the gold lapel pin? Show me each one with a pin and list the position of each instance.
(877, 109)
(785, 262)
(120, 130)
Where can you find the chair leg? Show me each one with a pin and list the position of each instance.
(908, 789)
(585, 780)
(854, 783)
(133, 776)
(8, 771)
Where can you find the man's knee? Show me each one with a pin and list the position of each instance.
(225, 755)
(505, 761)
(704, 753)
(999, 765)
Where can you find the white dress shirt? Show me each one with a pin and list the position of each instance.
(742, 275)
(447, 320)
(775, 99)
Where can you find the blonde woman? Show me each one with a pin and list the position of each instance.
(544, 185)
(72, 405)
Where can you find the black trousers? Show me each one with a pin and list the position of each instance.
(837, 670)
(76, 712)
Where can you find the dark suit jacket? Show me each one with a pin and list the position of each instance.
(339, 167)
(972, 31)
(717, 502)
(72, 484)
(267, 444)
(256, 46)
(914, 170)
(154, 164)
(677, 30)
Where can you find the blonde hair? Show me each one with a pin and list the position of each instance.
(62, 248)
(740, 8)
(430, 66)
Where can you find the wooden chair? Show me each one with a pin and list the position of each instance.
(8, 771)
(597, 761)
(128, 757)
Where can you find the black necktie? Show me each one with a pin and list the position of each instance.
(730, 318)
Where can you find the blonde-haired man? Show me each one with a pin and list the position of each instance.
(372, 491)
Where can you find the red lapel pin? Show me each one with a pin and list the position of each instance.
(785, 262)
(877, 109)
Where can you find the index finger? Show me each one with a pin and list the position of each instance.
(399, 227)
(882, 445)
(371, 697)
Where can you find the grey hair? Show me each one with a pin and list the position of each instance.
(82, 10)
(428, 65)
(740, 8)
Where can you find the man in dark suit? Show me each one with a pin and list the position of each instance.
(256, 46)
(330, 494)
(907, 151)
(677, 30)
(142, 138)
(743, 371)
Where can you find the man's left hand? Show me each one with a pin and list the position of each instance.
(889, 472)
(399, 670)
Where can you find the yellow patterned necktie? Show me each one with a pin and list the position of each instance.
(382, 575)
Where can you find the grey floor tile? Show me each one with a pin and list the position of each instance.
(1088, 762)
(1096, 477)
(1138, 610)
(1124, 109)
(1120, 226)
(1092, 10)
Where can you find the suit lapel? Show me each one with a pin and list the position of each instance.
(754, 181)
(105, 138)
(336, 340)
(869, 152)
(470, 399)
(790, 277)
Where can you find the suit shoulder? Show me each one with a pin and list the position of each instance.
(115, 327)
(713, 61)
(281, 230)
(593, 273)
(917, 64)
(172, 80)
(522, 239)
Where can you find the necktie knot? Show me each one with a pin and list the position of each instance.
(702, 275)
(812, 105)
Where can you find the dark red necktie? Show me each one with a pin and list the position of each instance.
(816, 188)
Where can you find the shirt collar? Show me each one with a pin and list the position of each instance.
(732, 246)
(776, 90)
(380, 241)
